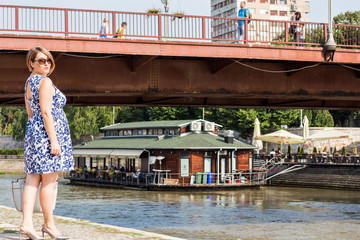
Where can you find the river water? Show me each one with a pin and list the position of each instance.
(211, 215)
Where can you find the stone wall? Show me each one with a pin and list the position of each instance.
(7, 142)
(323, 176)
(88, 138)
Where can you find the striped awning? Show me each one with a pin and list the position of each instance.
(126, 153)
(92, 152)
(107, 153)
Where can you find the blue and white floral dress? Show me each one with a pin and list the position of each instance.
(38, 157)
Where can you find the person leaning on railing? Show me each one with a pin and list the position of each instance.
(299, 29)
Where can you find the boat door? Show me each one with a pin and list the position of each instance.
(207, 164)
(222, 168)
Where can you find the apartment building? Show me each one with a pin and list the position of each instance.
(281, 10)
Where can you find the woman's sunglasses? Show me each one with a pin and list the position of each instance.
(42, 61)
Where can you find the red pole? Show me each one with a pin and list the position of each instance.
(114, 22)
(245, 31)
(66, 23)
(16, 18)
(203, 28)
(286, 32)
(160, 27)
(325, 33)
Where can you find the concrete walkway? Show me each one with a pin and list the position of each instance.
(10, 220)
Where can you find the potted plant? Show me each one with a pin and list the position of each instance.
(153, 11)
(335, 151)
(289, 152)
(314, 150)
(343, 151)
(179, 15)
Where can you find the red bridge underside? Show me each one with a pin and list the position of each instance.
(153, 73)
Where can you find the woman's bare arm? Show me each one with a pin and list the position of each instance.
(28, 109)
(46, 93)
(26, 96)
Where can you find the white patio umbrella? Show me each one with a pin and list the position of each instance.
(281, 137)
(257, 143)
(306, 130)
(327, 134)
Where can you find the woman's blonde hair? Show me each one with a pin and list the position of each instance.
(31, 55)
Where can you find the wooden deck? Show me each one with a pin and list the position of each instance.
(162, 187)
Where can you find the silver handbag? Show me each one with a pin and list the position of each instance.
(17, 190)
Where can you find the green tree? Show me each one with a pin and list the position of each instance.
(13, 121)
(173, 113)
(319, 118)
(345, 34)
(19, 124)
(348, 18)
(82, 120)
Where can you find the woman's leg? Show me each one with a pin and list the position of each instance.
(28, 200)
(47, 199)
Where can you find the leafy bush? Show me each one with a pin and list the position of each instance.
(11, 151)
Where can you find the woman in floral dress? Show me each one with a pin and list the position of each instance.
(47, 143)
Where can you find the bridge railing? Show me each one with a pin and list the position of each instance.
(87, 23)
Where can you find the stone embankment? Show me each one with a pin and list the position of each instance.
(9, 165)
(74, 228)
(322, 176)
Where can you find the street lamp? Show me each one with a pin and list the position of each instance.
(166, 6)
(330, 45)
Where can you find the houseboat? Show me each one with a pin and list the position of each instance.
(163, 155)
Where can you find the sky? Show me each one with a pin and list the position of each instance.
(319, 8)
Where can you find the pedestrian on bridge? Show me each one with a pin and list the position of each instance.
(243, 13)
(120, 33)
(299, 29)
(104, 29)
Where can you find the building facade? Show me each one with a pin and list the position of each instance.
(180, 148)
(277, 10)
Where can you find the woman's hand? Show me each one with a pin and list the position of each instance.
(55, 148)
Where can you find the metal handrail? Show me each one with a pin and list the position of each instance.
(149, 179)
(86, 23)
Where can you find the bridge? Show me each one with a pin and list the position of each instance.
(176, 60)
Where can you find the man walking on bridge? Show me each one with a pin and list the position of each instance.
(243, 13)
